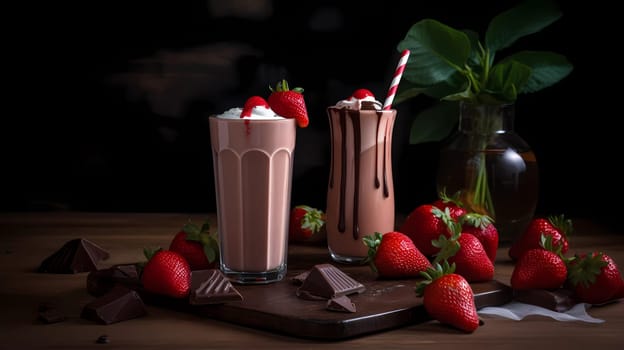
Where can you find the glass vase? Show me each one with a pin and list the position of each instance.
(491, 167)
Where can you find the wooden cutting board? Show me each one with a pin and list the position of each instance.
(384, 305)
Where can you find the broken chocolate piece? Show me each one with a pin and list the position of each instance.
(77, 255)
(101, 281)
(327, 281)
(120, 304)
(299, 278)
(341, 303)
(49, 313)
(102, 339)
(211, 287)
(559, 300)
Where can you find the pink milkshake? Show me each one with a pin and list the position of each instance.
(360, 195)
(253, 160)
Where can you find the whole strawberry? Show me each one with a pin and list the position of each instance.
(555, 226)
(197, 246)
(472, 260)
(425, 224)
(361, 94)
(466, 252)
(166, 273)
(289, 103)
(448, 297)
(539, 269)
(482, 227)
(394, 255)
(595, 278)
(305, 222)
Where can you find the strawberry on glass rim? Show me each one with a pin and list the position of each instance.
(289, 103)
(361, 94)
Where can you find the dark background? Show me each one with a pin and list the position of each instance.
(110, 98)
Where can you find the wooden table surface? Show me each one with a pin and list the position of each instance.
(27, 238)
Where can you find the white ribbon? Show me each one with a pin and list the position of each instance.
(517, 311)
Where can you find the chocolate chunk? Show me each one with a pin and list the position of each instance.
(101, 281)
(369, 105)
(341, 303)
(49, 313)
(211, 287)
(127, 273)
(51, 316)
(299, 278)
(120, 304)
(102, 339)
(559, 300)
(327, 281)
(77, 255)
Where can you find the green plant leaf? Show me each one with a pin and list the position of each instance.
(547, 68)
(507, 78)
(436, 52)
(460, 96)
(407, 90)
(474, 59)
(528, 17)
(456, 83)
(435, 123)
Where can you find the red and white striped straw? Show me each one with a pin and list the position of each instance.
(398, 73)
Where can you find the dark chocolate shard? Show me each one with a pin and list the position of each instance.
(341, 303)
(212, 287)
(51, 316)
(559, 300)
(77, 255)
(299, 278)
(369, 105)
(120, 304)
(49, 313)
(327, 281)
(100, 282)
(102, 339)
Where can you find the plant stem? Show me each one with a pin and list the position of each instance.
(482, 196)
(483, 125)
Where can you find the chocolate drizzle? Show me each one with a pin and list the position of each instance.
(343, 171)
(377, 152)
(357, 149)
(354, 116)
(386, 192)
(331, 168)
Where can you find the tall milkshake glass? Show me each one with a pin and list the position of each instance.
(360, 194)
(253, 162)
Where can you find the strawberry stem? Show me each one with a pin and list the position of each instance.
(585, 269)
(562, 224)
(432, 273)
(455, 198)
(210, 243)
(372, 242)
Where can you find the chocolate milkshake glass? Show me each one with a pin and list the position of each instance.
(360, 195)
(253, 162)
